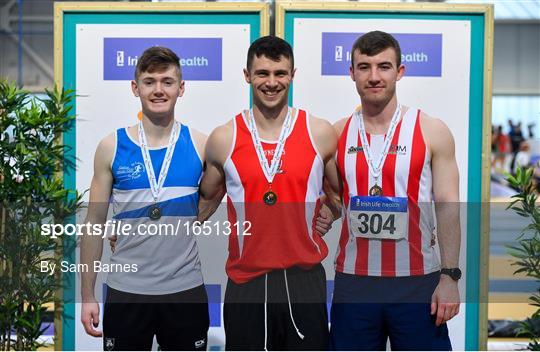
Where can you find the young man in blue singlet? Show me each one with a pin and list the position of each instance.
(162, 294)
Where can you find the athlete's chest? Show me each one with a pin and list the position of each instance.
(294, 164)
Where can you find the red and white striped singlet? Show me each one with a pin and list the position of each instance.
(406, 173)
(282, 235)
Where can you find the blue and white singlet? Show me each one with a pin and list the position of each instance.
(167, 261)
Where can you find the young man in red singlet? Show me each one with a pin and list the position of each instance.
(271, 162)
(394, 161)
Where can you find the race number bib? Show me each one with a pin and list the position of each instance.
(378, 217)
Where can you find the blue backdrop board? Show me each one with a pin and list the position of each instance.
(447, 51)
(96, 50)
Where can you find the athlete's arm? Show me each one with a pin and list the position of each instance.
(445, 301)
(325, 140)
(331, 191)
(212, 187)
(338, 127)
(92, 246)
(199, 139)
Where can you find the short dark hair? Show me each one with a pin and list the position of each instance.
(157, 58)
(375, 42)
(272, 47)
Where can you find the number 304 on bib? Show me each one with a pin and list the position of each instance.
(379, 217)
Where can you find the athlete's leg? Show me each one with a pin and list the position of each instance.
(128, 322)
(307, 293)
(183, 321)
(356, 318)
(412, 327)
(244, 316)
(410, 323)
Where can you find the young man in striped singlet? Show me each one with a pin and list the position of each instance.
(162, 294)
(271, 161)
(394, 162)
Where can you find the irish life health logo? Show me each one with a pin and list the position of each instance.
(421, 53)
(200, 58)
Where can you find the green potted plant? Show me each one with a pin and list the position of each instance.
(32, 193)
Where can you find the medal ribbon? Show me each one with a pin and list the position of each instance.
(270, 170)
(375, 170)
(156, 186)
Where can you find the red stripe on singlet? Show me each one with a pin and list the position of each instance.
(362, 180)
(418, 155)
(388, 246)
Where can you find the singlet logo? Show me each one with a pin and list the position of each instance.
(109, 343)
(353, 149)
(131, 172)
(200, 343)
(397, 149)
(394, 149)
(270, 154)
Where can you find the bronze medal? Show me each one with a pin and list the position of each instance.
(375, 191)
(270, 198)
(154, 212)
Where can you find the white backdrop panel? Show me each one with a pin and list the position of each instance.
(102, 106)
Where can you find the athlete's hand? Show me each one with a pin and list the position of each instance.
(324, 221)
(112, 242)
(90, 318)
(445, 300)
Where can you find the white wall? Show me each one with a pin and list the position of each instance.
(516, 51)
(516, 57)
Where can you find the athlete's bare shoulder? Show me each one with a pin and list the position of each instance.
(222, 133)
(199, 139)
(436, 133)
(339, 125)
(324, 136)
(219, 143)
(105, 151)
(319, 125)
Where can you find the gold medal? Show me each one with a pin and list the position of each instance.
(375, 191)
(154, 212)
(270, 198)
(375, 166)
(270, 169)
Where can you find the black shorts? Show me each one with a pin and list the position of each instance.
(368, 310)
(296, 322)
(179, 321)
